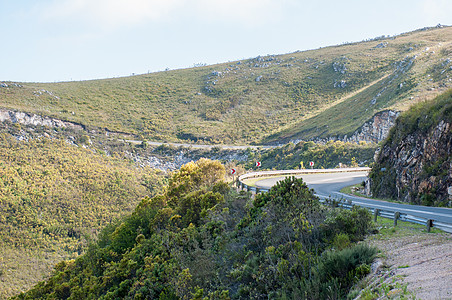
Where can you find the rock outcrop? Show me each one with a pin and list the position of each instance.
(376, 129)
(415, 162)
(373, 131)
(34, 120)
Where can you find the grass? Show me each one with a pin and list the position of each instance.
(403, 267)
(353, 190)
(350, 190)
(295, 96)
(387, 228)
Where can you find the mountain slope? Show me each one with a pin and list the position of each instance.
(54, 197)
(328, 92)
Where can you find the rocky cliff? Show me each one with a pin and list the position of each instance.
(415, 161)
(374, 130)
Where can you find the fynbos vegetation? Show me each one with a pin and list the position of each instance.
(329, 155)
(54, 198)
(202, 240)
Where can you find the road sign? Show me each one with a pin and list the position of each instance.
(233, 171)
(311, 163)
(258, 164)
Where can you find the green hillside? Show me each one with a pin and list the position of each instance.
(303, 95)
(54, 198)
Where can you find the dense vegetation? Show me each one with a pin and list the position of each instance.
(328, 92)
(202, 240)
(329, 155)
(415, 161)
(54, 197)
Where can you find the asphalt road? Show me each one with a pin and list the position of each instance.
(330, 184)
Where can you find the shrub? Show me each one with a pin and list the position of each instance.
(355, 223)
(347, 265)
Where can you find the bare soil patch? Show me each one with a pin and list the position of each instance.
(413, 264)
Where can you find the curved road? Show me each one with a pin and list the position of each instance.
(330, 184)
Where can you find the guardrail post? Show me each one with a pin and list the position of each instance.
(376, 213)
(429, 225)
(248, 188)
(396, 217)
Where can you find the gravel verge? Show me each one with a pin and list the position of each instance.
(412, 264)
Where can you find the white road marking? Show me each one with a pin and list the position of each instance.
(405, 209)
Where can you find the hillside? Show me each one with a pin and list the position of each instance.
(202, 240)
(54, 198)
(415, 162)
(328, 93)
(60, 186)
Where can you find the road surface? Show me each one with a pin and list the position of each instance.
(200, 146)
(330, 184)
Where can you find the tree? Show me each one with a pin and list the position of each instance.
(194, 176)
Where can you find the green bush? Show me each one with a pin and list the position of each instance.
(347, 266)
(355, 223)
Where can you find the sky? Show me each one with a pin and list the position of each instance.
(65, 40)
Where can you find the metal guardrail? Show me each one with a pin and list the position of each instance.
(298, 172)
(396, 215)
(346, 204)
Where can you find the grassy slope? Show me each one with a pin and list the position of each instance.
(258, 100)
(53, 198)
(418, 74)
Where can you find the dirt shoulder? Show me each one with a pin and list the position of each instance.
(412, 264)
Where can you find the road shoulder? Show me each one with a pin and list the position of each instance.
(412, 264)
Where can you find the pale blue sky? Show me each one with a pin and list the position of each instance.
(61, 40)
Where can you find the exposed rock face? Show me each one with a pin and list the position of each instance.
(376, 129)
(34, 120)
(415, 163)
(418, 153)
